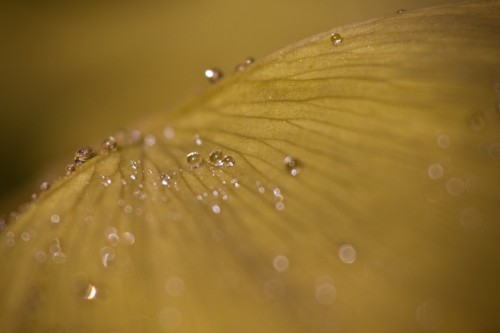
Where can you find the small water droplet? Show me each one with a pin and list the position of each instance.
(443, 141)
(83, 155)
(44, 186)
(70, 168)
(455, 186)
(169, 133)
(25, 236)
(55, 219)
(477, 122)
(59, 257)
(194, 159)
(197, 140)
(228, 161)
(435, 171)
(213, 75)
(108, 255)
(347, 253)
(170, 318)
(281, 263)
(216, 209)
(235, 182)
(40, 256)
(293, 166)
(336, 39)
(401, 11)
(109, 143)
(243, 66)
(174, 286)
(280, 205)
(216, 158)
(325, 291)
(149, 140)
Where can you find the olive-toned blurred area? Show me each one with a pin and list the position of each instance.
(73, 72)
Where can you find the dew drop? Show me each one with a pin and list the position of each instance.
(347, 253)
(127, 238)
(55, 219)
(216, 209)
(194, 160)
(109, 143)
(197, 140)
(44, 186)
(243, 66)
(40, 256)
(149, 140)
(280, 205)
(170, 318)
(174, 286)
(281, 263)
(213, 75)
(70, 168)
(108, 255)
(293, 166)
(169, 133)
(25, 236)
(336, 39)
(443, 141)
(435, 171)
(455, 186)
(401, 11)
(470, 218)
(90, 292)
(477, 122)
(229, 161)
(83, 155)
(216, 158)
(325, 292)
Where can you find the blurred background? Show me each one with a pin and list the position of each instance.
(73, 72)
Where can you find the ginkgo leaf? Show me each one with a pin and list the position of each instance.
(347, 183)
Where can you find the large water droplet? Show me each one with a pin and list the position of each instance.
(243, 66)
(443, 141)
(83, 155)
(213, 74)
(336, 39)
(216, 158)
(194, 160)
(228, 161)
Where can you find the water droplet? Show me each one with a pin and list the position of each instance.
(109, 143)
(90, 292)
(174, 286)
(443, 141)
(455, 186)
(108, 255)
(40, 256)
(470, 218)
(229, 161)
(477, 122)
(127, 238)
(59, 257)
(325, 291)
(112, 236)
(429, 315)
(213, 75)
(170, 318)
(243, 66)
(281, 263)
(401, 11)
(194, 160)
(169, 133)
(197, 140)
(83, 155)
(149, 140)
(347, 253)
(70, 168)
(293, 166)
(279, 206)
(216, 209)
(55, 219)
(494, 151)
(235, 182)
(216, 157)
(435, 171)
(336, 39)
(25, 236)
(44, 186)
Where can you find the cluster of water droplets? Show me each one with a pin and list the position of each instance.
(215, 159)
